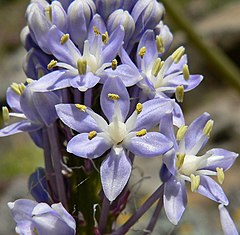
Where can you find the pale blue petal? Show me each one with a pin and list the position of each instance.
(209, 188)
(75, 118)
(150, 145)
(13, 100)
(174, 199)
(81, 146)
(115, 172)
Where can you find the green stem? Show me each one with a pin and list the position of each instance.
(222, 65)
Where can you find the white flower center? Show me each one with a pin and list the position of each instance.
(117, 131)
(190, 165)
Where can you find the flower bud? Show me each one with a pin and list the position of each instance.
(80, 13)
(121, 17)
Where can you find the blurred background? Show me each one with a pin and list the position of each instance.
(217, 22)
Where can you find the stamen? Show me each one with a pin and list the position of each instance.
(52, 64)
(21, 87)
(180, 160)
(15, 88)
(186, 73)
(159, 43)
(141, 133)
(96, 31)
(40, 72)
(177, 55)
(113, 96)
(82, 66)
(139, 108)
(181, 132)
(220, 175)
(81, 107)
(156, 67)
(92, 134)
(195, 182)
(105, 37)
(64, 39)
(179, 93)
(142, 52)
(114, 64)
(48, 12)
(29, 80)
(208, 128)
(5, 114)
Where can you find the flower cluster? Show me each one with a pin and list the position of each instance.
(100, 81)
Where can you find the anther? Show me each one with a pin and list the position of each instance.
(139, 108)
(96, 31)
(5, 114)
(195, 182)
(40, 72)
(105, 37)
(52, 64)
(159, 43)
(82, 66)
(64, 39)
(177, 55)
(179, 93)
(29, 80)
(181, 132)
(156, 67)
(180, 160)
(113, 96)
(81, 107)
(48, 12)
(208, 128)
(220, 175)
(141, 133)
(21, 87)
(14, 86)
(186, 73)
(114, 64)
(142, 52)
(92, 134)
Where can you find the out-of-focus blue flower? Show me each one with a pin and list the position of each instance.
(39, 218)
(228, 226)
(36, 109)
(182, 164)
(97, 136)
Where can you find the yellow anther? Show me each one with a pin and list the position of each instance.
(29, 80)
(142, 52)
(162, 63)
(139, 108)
(5, 114)
(40, 72)
(220, 175)
(92, 134)
(179, 93)
(141, 133)
(105, 37)
(177, 55)
(114, 64)
(159, 43)
(48, 12)
(181, 132)
(81, 107)
(186, 73)
(180, 160)
(82, 66)
(208, 128)
(156, 67)
(64, 39)
(21, 87)
(52, 64)
(96, 31)
(195, 182)
(15, 88)
(35, 231)
(113, 96)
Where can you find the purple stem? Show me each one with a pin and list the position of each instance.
(57, 159)
(140, 212)
(104, 215)
(154, 218)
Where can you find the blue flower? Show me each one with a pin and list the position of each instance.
(39, 218)
(182, 164)
(120, 135)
